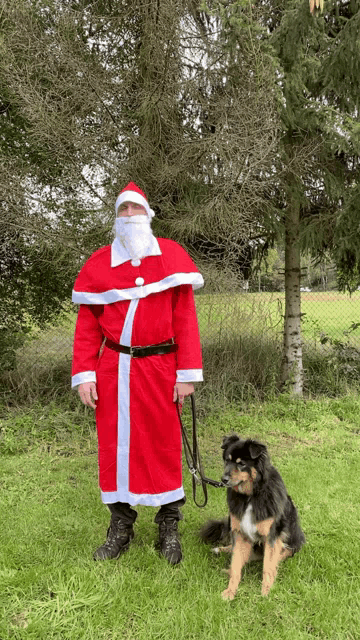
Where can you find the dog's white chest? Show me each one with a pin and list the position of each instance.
(248, 526)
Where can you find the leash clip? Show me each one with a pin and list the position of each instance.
(194, 475)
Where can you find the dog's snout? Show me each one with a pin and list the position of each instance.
(225, 478)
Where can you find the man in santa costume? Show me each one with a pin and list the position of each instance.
(136, 353)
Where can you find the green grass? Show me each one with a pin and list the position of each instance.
(52, 520)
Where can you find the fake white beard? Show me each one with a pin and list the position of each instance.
(135, 234)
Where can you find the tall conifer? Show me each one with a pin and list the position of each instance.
(318, 61)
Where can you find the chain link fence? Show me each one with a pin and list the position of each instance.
(237, 329)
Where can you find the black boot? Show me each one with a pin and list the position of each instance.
(118, 539)
(169, 543)
(120, 532)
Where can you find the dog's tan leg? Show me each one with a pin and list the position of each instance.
(241, 554)
(264, 527)
(273, 554)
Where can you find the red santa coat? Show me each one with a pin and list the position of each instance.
(138, 303)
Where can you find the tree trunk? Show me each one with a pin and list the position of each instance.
(292, 370)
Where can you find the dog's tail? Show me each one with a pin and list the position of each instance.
(215, 531)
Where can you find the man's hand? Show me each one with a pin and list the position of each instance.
(181, 390)
(87, 393)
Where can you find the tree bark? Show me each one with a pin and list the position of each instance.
(292, 369)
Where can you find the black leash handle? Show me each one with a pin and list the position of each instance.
(193, 457)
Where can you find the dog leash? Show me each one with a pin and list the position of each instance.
(193, 459)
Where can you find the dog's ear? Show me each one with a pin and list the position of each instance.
(229, 440)
(256, 449)
(259, 453)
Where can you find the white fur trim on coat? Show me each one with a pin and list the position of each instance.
(115, 295)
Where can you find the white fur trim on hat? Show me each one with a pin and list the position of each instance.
(133, 196)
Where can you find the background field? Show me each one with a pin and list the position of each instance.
(329, 312)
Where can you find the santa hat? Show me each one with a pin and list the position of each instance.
(133, 193)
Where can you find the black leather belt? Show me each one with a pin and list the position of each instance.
(141, 352)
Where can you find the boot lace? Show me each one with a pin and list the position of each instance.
(117, 532)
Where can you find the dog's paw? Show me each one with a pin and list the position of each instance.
(228, 594)
(218, 550)
(267, 583)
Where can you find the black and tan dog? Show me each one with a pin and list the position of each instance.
(263, 520)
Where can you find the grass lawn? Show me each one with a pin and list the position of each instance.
(52, 520)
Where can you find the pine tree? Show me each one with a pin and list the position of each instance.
(314, 179)
(318, 61)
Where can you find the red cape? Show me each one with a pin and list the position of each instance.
(100, 283)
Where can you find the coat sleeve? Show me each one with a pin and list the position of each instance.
(87, 342)
(187, 337)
